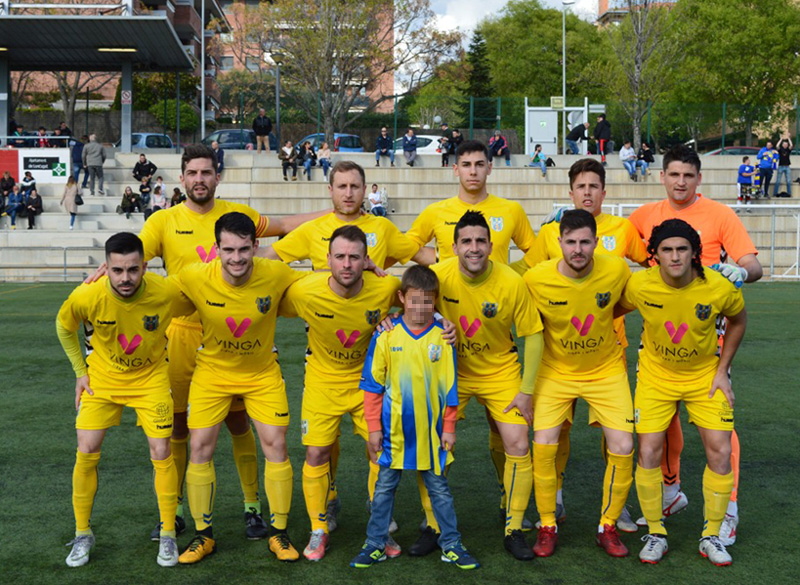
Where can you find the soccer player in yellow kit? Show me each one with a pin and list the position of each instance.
(127, 312)
(184, 235)
(576, 295)
(484, 299)
(617, 237)
(679, 361)
(342, 308)
(237, 301)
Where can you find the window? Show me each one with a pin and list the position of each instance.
(157, 141)
(252, 64)
(226, 63)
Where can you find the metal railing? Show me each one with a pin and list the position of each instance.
(6, 6)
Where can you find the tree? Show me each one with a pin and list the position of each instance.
(478, 83)
(339, 56)
(72, 84)
(440, 96)
(153, 88)
(190, 121)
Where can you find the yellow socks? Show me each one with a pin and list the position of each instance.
(498, 454)
(179, 449)
(278, 485)
(562, 455)
(616, 485)
(427, 507)
(246, 458)
(545, 479)
(201, 483)
(372, 478)
(334, 468)
(518, 480)
(316, 486)
(165, 481)
(716, 493)
(84, 488)
(648, 487)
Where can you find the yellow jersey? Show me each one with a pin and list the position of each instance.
(238, 321)
(507, 221)
(578, 315)
(311, 240)
(126, 350)
(483, 311)
(679, 341)
(339, 329)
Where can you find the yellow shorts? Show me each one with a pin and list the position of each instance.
(495, 399)
(322, 414)
(609, 401)
(102, 411)
(185, 337)
(655, 404)
(209, 404)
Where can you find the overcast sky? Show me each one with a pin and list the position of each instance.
(465, 14)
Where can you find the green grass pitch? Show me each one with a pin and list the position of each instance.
(39, 446)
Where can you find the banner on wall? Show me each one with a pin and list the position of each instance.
(47, 165)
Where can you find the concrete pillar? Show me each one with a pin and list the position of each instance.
(127, 106)
(5, 97)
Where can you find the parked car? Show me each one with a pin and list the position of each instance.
(735, 151)
(236, 139)
(143, 140)
(341, 142)
(426, 144)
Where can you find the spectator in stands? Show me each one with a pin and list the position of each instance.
(145, 191)
(27, 184)
(158, 202)
(377, 201)
(160, 183)
(602, 135)
(745, 180)
(577, 134)
(77, 160)
(767, 161)
(130, 202)
(14, 204)
(324, 158)
(384, 146)
(6, 186)
(628, 157)
(33, 207)
(18, 143)
(220, 156)
(93, 158)
(645, 158)
(288, 156)
(144, 169)
(177, 197)
(784, 166)
(308, 158)
(41, 138)
(68, 200)
(455, 141)
(262, 126)
(444, 148)
(539, 159)
(410, 147)
(65, 131)
(498, 146)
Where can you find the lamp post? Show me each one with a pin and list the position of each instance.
(277, 58)
(202, 69)
(564, 4)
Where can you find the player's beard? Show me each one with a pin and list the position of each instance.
(204, 198)
(587, 261)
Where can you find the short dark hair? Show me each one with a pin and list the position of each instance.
(601, 116)
(124, 243)
(345, 166)
(681, 153)
(194, 151)
(469, 146)
(587, 165)
(420, 277)
(575, 219)
(745, 159)
(471, 218)
(351, 233)
(235, 223)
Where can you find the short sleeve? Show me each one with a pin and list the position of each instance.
(152, 236)
(526, 318)
(523, 235)
(422, 230)
(635, 250)
(293, 246)
(628, 298)
(401, 246)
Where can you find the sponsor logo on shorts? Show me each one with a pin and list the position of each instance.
(150, 322)
(373, 317)
(496, 223)
(281, 414)
(603, 299)
(372, 239)
(703, 312)
(653, 305)
(434, 352)
(162, 427)
(470, 328)
(207, 256)
(238, 330)
(636, 416)
(629, 421)
(162, 409)
(584, 326)
(263, 304)
(304, 427)
(129, 346)
(449, 300)
(489, 310)
(609, 242)
(676, 334)
(347, 340)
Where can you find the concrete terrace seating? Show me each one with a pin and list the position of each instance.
(257, 181)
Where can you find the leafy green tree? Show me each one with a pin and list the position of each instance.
(190, 121)
(478, 83)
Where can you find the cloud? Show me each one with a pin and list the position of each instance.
(466, 14)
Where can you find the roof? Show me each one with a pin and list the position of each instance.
(36, 42)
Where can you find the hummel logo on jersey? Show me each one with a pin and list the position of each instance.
(238, 330)
(129, 346)
(676, 334)
(450, 223)
(655, 306)
(184, 232)
(99, 322)
(323, 315)
(583, 328)
(207, 257)
(470, 329)
(449, 300)
(556, 302)
(213, 304)
(347, 340)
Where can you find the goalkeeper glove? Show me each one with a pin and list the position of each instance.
(736, 274)
(555, 215)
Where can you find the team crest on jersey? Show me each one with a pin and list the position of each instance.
(372, 239)
(489, 310)
(435, 352)
(703, 312)
(603, 299)
(150, 322)
(496, 223)
(609, 242)
(373, 317)
(263, 304)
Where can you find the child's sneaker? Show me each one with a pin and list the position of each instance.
(459, 556)
(368, 556)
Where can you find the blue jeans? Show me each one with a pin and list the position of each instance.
(12, 211)
(307, 164)
(383, 507)
(644, 164)
(379, 154)
(541, 164)
(630, 166)
(326, 164)
(787, 172)
(573, 146)
(378, 210)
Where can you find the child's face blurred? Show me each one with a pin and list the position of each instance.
(418, 304)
